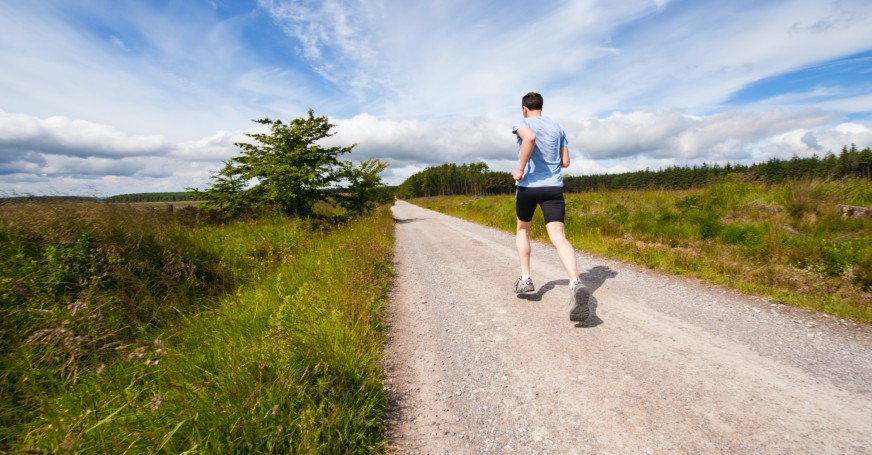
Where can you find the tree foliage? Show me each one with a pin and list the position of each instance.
(447, 179)
(365, 189)
(288, 169)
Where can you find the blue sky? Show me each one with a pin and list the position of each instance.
(115, 96)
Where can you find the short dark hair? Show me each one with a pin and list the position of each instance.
(532, 101)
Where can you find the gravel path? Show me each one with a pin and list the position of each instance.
(664, 364)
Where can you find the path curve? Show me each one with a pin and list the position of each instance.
(664, 364)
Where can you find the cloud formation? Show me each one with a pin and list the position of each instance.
(22, 134)
(151, 96)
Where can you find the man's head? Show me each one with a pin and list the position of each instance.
(532, 101)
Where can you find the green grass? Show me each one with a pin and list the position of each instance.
(267, 338)
(786, 242)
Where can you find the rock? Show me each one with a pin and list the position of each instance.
(851, 211)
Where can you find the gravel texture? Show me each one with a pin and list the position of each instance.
(663, 365)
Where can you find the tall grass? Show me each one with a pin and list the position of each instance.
(267, 341)
(785, 242)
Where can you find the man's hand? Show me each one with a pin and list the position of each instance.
(519, 174)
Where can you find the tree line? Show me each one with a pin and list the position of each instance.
(477, 179)
(177, 196)
(447, 179)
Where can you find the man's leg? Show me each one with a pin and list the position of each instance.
(557, 234)
(522, 241)
(579, 296)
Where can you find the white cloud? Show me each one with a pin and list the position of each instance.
(62, 136)
(45, 156)
(432, 141)
(218, 147)
(678, 135)
(336, 37)
(179, 76)
(118, 42)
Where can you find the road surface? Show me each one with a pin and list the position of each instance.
(663, 365)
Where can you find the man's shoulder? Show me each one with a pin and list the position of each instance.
(520, 123)
(546, 124)
(537, 124)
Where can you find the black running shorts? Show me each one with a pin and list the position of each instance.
(550, 198)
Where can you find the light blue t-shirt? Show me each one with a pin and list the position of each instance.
(543, 169)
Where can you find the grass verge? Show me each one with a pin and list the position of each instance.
(284, 360)
(788, 243)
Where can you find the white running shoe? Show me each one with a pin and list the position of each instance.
(522, 285)
(579, 299)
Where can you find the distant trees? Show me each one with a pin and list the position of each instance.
(176, 196)
(850, 162)
(673, 177)
(448, 179)
(289, 170)
(477, 179)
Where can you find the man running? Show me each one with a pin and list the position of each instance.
(543, 151)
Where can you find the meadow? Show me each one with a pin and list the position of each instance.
(786, 242)
(126, 331)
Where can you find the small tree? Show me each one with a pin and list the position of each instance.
(365, 189)
(288, 169)
(227, 193)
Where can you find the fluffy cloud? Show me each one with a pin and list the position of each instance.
(45, 155)
(218, 147)
(22, 136)
(50, 155)
(729, 136)
(658, 134)
(620, 142)
(430, 141)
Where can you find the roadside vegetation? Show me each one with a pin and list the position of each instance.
(129, 333)
(788, 242)
(125, 330)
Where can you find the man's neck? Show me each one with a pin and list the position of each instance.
(533, 113)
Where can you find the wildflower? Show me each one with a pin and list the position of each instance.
(155, 402)
(76, 306)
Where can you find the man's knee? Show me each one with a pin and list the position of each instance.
(556, 230)
(523, 226)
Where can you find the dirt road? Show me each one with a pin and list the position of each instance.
(664, 364)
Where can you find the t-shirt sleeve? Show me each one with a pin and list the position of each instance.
(519, 124)
(563, 141)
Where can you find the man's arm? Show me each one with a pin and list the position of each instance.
(528, 142)
(564, 157)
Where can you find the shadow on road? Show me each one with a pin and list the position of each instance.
(405, 220)
(537, 296)
(592, 280)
